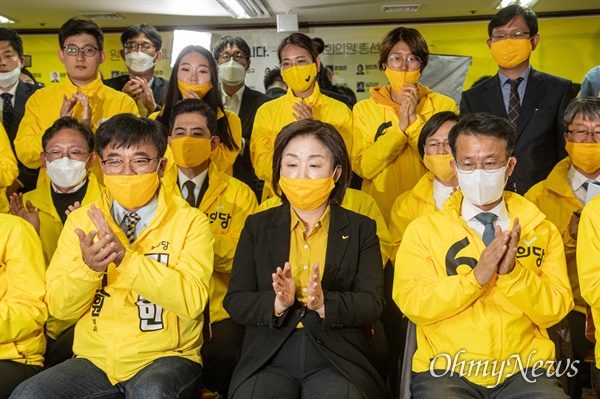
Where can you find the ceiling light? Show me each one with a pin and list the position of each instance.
(245, 8)
(6, 20)
(522, 3)
(401, 8)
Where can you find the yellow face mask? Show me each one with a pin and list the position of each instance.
(511, 52)
(200, 90)
(299, 78)
(306, 194)
(132, 191)
(398, 78)
(439, 165)
(586, 156)
(189, 152)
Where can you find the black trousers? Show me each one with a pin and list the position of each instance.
(14, 373)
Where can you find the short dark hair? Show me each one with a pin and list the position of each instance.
(67, 122)
(231, 41)
(300, 40)
(483, 124)
(148, 30)
(77, 26)
(273, 76)
(330, 138)
(412, 37)
(587, 107)
(194, 106)
(127, 130)
(506, 15)
(212, 98)
(29, 74)
(432, 126)
(7, 34)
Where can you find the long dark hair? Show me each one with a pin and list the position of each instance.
(212, 98)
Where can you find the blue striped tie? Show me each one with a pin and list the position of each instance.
(487, 219)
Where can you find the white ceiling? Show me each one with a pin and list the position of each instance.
(51, 14)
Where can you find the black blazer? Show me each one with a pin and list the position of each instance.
(540, 143)
(352, 284)
(159, 87)
(242, 167)
(24, 90)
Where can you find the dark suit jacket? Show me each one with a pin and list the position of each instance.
(242, 168)
(352, 284)
(540, 144)
(159, 87)
(28, 177)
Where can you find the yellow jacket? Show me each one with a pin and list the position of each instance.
(9, 170)
(151, 305)
(43, 108)
(556, 200)
(221, 156)
(384, 156)
(22, 287)
(227, 203)
(273, 115)
(588, 263)
(503, 321)
(410, 205)
(359, 202)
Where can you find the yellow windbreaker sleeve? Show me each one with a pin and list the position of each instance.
(9, 170)
(423, 295)
(22, 284)
(222, 156)
(588, 254)
(262, 141)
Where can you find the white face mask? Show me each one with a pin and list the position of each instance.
(138, 61)
(9, 78)
(480, 187)
(231, 73)
(66, 172)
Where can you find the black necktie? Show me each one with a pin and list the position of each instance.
(514, 102)
(487, 219)
(7, 111)
(190, 198)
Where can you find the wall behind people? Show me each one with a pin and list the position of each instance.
(568, 48)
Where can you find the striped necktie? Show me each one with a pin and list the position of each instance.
(487, 219)
(514, 101)
(132, 219)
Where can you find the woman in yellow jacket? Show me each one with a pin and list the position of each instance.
(387, 126)
(22, 308)
(588, 266)
(9, 169)
(300, 63)
(430, 192)
(194, 75)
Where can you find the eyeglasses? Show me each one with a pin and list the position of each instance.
(76, 155)
(412, 62)
(133, 46)
(238, 56)
(300, 62)
(73, 50)
(581, 134)
(137, 165)
(517, 34)
(434, 145)
(488, 166)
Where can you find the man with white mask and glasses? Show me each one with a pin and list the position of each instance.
(483, 279)
(13, 96)
(142, 49)
(232, 55)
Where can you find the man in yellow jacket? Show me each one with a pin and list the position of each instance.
(22, 308)
(227, 202)
(483, 279)
(82, 96)
(562, 195)
(9, 169)
(588, 266)
(135, 268)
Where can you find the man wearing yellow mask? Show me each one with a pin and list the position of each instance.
(227, 202)
(533, 101)
(562, 196)
(135, 268)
